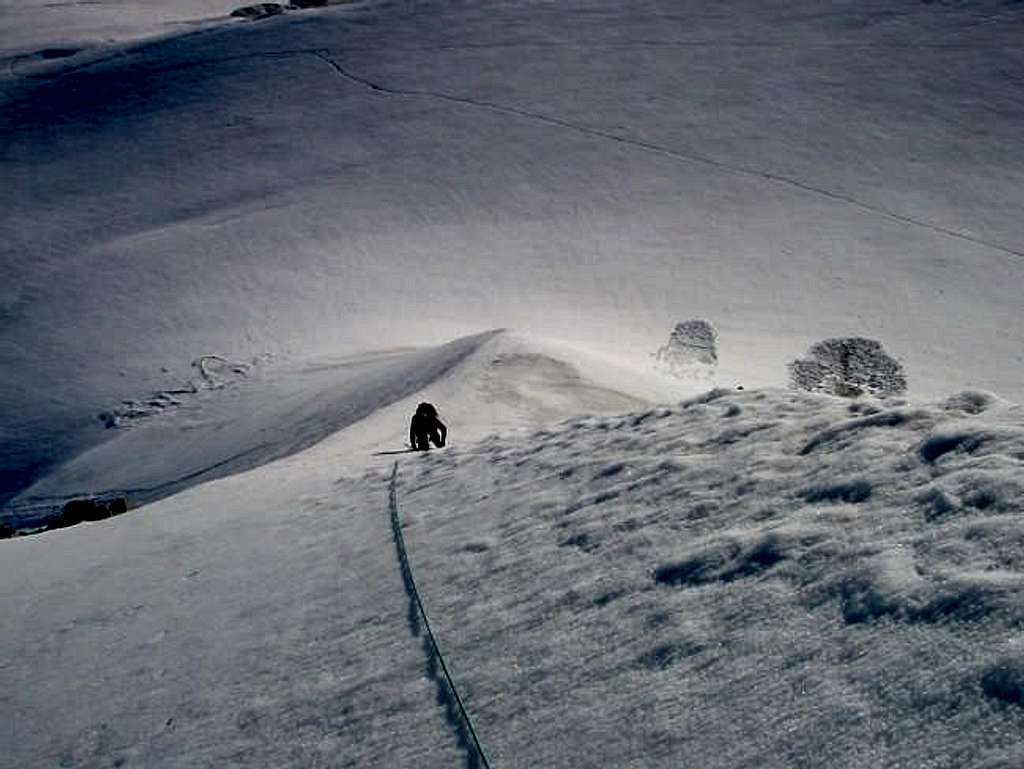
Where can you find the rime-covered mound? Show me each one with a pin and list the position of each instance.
(759, 577)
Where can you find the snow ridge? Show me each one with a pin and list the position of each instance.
(764, 578)
(272, 414)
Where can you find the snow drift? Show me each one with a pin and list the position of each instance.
(486, 383)
(325, 199)
(767, 577)
(333, 181)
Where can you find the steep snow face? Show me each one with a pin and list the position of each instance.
(744, 578)
(350, 179)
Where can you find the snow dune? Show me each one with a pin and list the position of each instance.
(755, 577)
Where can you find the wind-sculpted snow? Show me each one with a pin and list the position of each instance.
(689, 585)
(679, 585)
(395, 174)
(279, 412)
(753, 578)
(233, 417)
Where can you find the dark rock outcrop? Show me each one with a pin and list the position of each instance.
(77, 511)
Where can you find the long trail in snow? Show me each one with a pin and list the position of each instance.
(437, 664)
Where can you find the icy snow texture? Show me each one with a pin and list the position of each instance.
(483, 383)
(764, 578)
(352, 178)
(744, 578)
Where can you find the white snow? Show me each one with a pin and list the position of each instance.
(340, 210)
(495, 382)
(66, 30)
(759, 577)
(590, 172)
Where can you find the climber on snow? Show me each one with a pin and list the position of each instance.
(426, 428)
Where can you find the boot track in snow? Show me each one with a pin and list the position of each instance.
(437, 665)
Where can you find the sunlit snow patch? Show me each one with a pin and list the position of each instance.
(234, 417)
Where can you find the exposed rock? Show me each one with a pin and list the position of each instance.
(691, 348)
(76, 511)
(258, 11)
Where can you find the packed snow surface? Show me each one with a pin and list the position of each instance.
(236, 254)
(494, 381)
(746, 578)
(384, 175)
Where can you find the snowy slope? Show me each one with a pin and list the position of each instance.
(757, 578)
(330, 208)
(338, 181)
(39, 31)
(487, 383)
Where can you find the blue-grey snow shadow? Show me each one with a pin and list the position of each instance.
(237, 430)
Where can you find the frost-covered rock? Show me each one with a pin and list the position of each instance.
(691, 349)
(258, 11)
(849, 367)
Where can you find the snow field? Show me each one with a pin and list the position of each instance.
(756, 576)
(178, 634)
(748, 578)
(490, 382)
(403, 174)
(261, 626)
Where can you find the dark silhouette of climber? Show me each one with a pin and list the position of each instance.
(426, 427)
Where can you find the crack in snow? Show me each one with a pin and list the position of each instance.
(325, 56)
(657, 149)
